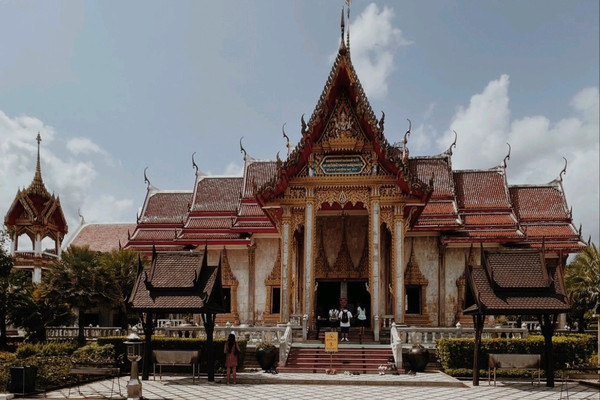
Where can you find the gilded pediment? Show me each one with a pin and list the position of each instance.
(342, 132)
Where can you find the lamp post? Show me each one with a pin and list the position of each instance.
(134, 354)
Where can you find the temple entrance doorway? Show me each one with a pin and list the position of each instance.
(328, 296)
(329, 293)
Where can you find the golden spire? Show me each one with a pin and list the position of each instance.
(37, 185)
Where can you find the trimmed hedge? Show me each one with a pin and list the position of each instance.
(171, 343)
(456, 355)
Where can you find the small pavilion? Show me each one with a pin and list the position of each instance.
(179, 283)
(517, 282)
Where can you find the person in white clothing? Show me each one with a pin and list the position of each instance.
(344, 316)
(361, 317)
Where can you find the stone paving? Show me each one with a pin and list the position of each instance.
(258, 385)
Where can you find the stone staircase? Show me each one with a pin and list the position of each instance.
(357, 358)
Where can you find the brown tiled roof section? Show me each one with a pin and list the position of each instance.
(210, 223)
(258, 173)
(218, 194)
(208, 236)
(142, 299)
(439, 208)
(489, 219)
(153, 234)
(517, 270)
(517, 301)
(166, 207)
(480, 190)
(175, 269)
(250, 210)
(103, 237)
(538, 203)
(426, 167)
(550, 231)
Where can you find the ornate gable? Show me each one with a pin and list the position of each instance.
(343, 124)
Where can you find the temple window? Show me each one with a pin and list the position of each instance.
(275, 300)
(413, 299)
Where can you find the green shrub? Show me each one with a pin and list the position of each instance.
(457, 354)
(94, 354)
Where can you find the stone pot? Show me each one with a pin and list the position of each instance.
(418, 357)
(267, 357)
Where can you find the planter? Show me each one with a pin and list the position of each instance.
(22, 379)
(418, 357)
(267, 357)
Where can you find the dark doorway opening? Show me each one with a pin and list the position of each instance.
(358, 295)
(328, 296)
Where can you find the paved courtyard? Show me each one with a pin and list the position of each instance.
(257, 385)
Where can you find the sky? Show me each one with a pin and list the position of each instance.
(116, 87)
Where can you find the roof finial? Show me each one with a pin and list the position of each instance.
(507, 156)
(80, 216)
(242, 150)
(37, 185)
(194, 163)
(342, 26)
(564, 171)
(288, 145)
(348, 30)
(146, 180)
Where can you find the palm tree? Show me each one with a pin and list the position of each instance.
(582, 279)
(122, 265)
(79, 280)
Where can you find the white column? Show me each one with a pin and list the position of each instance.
(37, 246)
(285, 251)
(375, 265)
(399, 271)
(37, 274)
(308, 257)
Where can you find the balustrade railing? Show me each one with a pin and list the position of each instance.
(426, 336)
(90, 332)
(285, 344)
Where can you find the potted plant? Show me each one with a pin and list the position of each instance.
(418, 357)
(267, 355)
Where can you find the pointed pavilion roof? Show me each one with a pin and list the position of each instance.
(178, 282)
(516, 282)
(35, 206)
(343, 81)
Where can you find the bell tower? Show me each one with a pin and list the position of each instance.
(36, 225)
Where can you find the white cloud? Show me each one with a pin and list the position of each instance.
(538, 145)
(75, 179)
(234, 169)
(82, 145)
(373, 41)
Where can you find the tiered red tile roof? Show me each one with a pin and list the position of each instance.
(463, 207)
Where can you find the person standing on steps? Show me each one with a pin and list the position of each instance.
(344, 316)
(231, 350)
(361, 319)
(333, 319)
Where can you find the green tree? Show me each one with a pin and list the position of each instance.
(582, 279)
(122, 265)
(6, 286)
(34, 313)
(80, 280)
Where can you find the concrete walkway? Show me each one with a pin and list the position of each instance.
(259, 385)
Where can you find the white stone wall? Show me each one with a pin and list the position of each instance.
(266, 254)
(455, 266)
(427, 257)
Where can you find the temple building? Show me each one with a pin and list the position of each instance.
(347, 215)
(36, 225)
